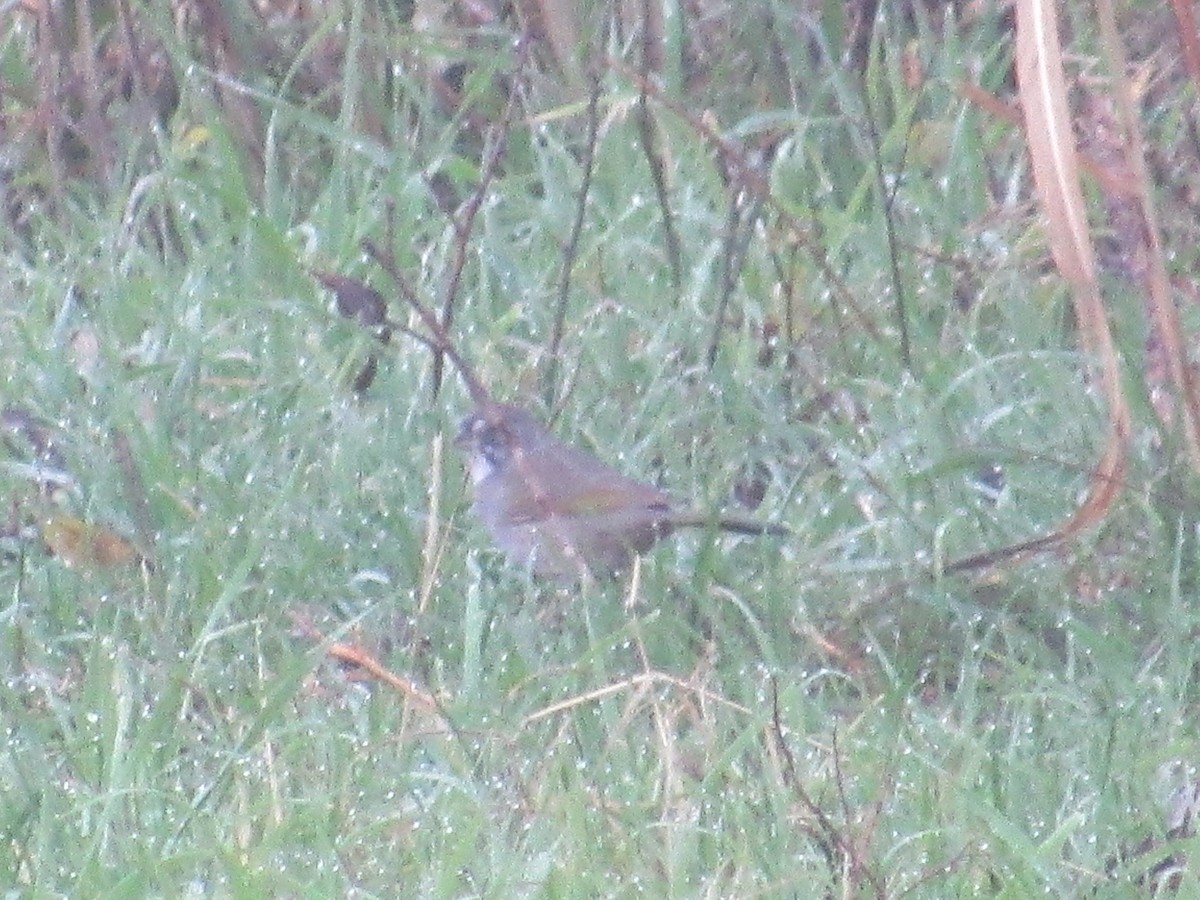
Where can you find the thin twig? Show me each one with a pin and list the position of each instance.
(739, 226)
(651, 66)
(658, 168)
(858, 869)
(887, 200)
(825, 835)
(464, 222)
(437, 340)
(571, 247)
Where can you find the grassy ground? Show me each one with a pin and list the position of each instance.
(743, 718)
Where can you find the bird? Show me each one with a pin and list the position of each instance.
(561, 511)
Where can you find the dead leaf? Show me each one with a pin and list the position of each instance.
(81, 545)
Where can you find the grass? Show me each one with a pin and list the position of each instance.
(744, 718)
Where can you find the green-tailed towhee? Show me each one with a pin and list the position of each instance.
(560, 510)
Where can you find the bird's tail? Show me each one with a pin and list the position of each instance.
(735, 524)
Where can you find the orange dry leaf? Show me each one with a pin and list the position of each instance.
(84, 546)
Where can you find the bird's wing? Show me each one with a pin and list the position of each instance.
(558, 480)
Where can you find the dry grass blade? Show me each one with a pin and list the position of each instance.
(1148, 237)
(432, 546)
(1056, 173)
(1056, 168)
(1051, 144)
(1189, 37)
(638, 681)
(360, 659)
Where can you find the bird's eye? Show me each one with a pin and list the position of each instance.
(494, 443)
